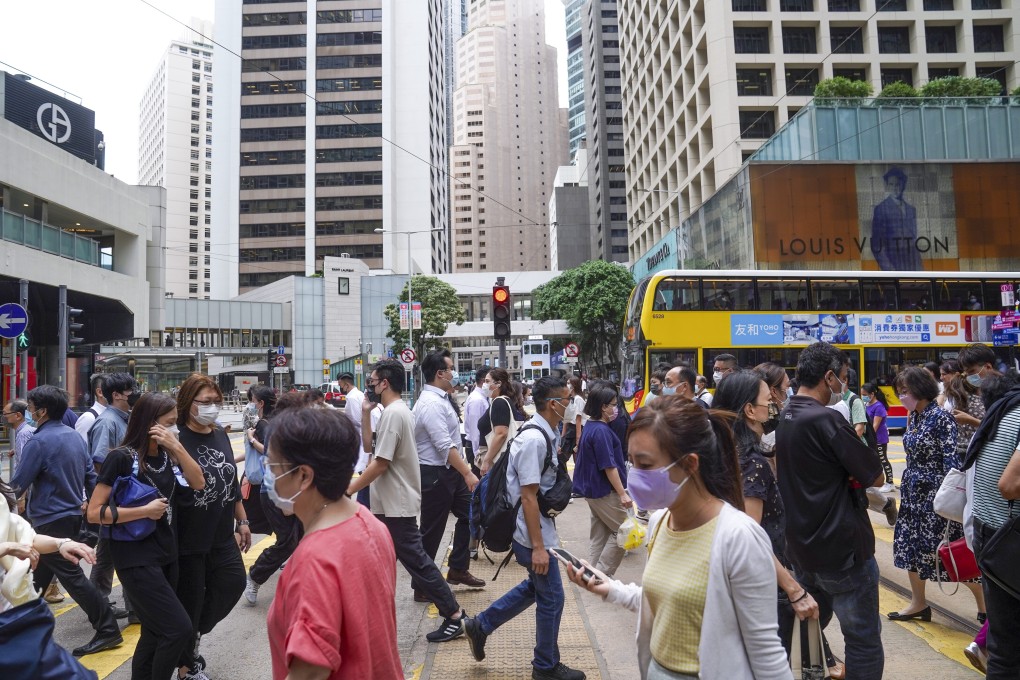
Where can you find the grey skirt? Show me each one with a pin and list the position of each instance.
(657, 672)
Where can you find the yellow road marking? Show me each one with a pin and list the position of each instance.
(105, 663)
(416, 675)
(945, 641)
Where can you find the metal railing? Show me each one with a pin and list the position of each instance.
(23, 230)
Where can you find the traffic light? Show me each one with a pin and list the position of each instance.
(501, 312)
(270, 360)
(73, 327)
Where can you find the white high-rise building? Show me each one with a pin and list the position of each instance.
(708, 81)
(510, 136)
(175, 124)
(332, 139)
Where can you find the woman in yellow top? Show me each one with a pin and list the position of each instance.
(707, 608)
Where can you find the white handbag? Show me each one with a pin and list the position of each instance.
(951, 498)
(816, 668)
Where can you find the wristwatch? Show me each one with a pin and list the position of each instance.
(241, 523)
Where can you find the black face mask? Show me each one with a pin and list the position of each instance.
(133, 398)
(770, 425)
(372, 396)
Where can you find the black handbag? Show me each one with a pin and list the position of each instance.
(1000, 556)
(30, 652)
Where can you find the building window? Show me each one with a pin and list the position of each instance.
(754, 82)
(749, 5)
(892, 6)
(846, 39)
(799, 40)
(750, 40)
(940, 39)
(988, 38)
(995, 73)
(939, 5)
(942, 72)
(801, 82)
(757, 124)
(893, 40)
(986, 4)
(897, 75)
(844, 5)
(850, 73)
(796, 5)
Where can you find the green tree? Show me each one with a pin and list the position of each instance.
(959, 86)
(840, 90)
(1016, 95)
(592, 299)
(439, 308)
(898, 94)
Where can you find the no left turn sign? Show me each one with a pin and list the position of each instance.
(407, 356)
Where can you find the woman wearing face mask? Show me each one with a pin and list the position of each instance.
(877, 409)
(287, 529)
(148, 568)
(573, 418)
(930, 443)
(748, 396)
(600, 477)
(778, 382)
(211, 571)
(708, 605)
(499, 423)
(656, 383)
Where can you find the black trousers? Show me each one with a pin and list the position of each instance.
(101, 575)
(209, 585)
(1003, 617)
(288, 533)
(91, 601)
(443, 490)
(425, 575)
(166, 626)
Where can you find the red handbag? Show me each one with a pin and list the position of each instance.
(959, 560)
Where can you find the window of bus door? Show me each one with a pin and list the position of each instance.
(914, 295)
(836, 294)
(959, 295)
(729, 294)
(675, 294)
(633, 382)
(782, 294)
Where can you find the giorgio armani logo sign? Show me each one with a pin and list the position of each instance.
(54, 124)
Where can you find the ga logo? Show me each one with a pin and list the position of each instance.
(947, 328)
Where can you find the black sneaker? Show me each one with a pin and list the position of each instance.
(476, 638)
(560, 672)
(451, 628)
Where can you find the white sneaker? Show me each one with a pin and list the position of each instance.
(978, 657)
(887, 488)
(251, 593)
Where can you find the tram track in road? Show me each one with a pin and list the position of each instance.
(966, 624)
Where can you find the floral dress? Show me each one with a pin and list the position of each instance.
(759, 481)
(976, 408)
(930, 443)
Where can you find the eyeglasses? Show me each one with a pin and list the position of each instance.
(9, 413)
(266, 463)
(207, 403)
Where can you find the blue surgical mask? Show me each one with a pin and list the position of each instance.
(286, 505)
(974, 379)
(866, 400)
(667, 391)
(29, 419)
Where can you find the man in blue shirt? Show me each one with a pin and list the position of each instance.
(57, 467)
(534, 534)
(446, 477)
(14, 414)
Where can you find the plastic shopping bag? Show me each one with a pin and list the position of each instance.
(632, 534)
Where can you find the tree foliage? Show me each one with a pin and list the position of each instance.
(959, 86)
(842, 89)
(439, 308)
(592, 299)
(898, 90)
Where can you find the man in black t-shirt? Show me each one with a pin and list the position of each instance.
(823, 471)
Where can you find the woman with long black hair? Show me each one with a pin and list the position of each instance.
(877, 409)
(500, 422)
(286, 528)
(148, 568)
(210, 543)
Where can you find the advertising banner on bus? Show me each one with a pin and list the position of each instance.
(765, 330)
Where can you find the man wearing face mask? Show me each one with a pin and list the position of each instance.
(701, 390)
(474, 408)
(446, 477)
(121, 392)
(681, 381)
(823, 465)
(656, 383)
(723, 365)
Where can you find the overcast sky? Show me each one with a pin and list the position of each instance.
(104, 54)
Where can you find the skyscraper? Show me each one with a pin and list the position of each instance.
(175, 152)
(607, 188)
(575, 73)
(708, 81)
(337, 104)
(509, 138)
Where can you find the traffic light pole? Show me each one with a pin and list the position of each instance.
(62, 339)
(502, 354)
(23, 373)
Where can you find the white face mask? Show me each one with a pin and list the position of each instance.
(174, 430)
(207, 414)
(716, 377)
(836, 397)
(485, 390)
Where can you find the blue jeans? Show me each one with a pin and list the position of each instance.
(853, 593)
(546, 592)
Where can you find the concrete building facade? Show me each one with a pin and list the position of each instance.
(310, 165)
(709, 81)
(175, 152)
(569, 232)
(509, 138)
(576, 88)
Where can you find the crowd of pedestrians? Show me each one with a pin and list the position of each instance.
(756, 508)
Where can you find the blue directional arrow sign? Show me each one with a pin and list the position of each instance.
(13, 320)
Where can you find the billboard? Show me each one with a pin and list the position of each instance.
(886, 216)
(59, 121)
(769, 330)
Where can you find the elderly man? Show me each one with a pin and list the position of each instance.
(14, 415)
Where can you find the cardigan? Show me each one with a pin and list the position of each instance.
(740, 629)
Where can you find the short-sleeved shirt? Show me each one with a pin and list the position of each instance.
(858, 413)
(598, 451)
(574, 408)
(819, 451)
(397, 492)
(160, 547)
(207, 515)
(527, 461)
(989, 505)
(336, 575)
(877, 409)
(498, 414)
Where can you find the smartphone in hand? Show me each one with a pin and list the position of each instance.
(564, 556)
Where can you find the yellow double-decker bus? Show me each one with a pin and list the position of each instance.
(883, 320)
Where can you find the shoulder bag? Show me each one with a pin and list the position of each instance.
(815, 668)
(1001, 555)
(951, 498)
(128, 492)
(511, 433)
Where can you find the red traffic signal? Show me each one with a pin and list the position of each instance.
(501, 312)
